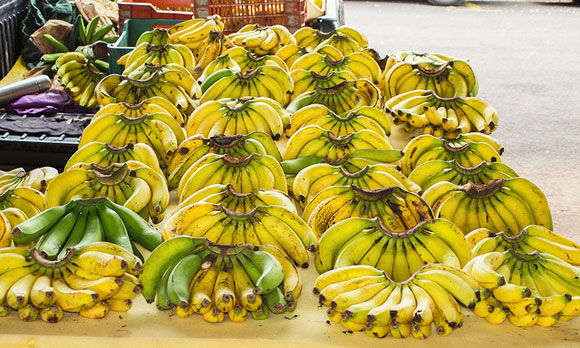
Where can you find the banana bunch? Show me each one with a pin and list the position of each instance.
(5, 228)
(398, 209)
(273, 225)
(365, 298)
(21, 203)
(527, 289)
(529, 239)
(310, 38)
(147, 106)
(364, 117)
(447, 117)
(414, 58)
(247, 60)
(147, 53)
(290, 53)
(91, 280)
(194, 275)
(219, 63)
(37, 178)
(342, 43)
(196, 146)
(170, 81)
(132, 184)
(262, 40)
(82, 222)
(246, 174)
(104, 155)
(431, 172)
(195, 33)
(501, 205)
(368, 241)
(340, 98)
(158, 130)
(215, 45)
(313, 179)
(156, 36)
(359, 64)
(265, 81)
(243, 115)
(80, 77)
(450, 79)
(307, 81)
(468, 150)
(313, 140)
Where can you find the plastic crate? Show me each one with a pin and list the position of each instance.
(11, 14)
(154, 9)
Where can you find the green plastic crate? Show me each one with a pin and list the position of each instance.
(132, 29)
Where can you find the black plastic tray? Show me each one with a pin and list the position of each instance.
(332, 19)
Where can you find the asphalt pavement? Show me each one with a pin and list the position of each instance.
(527, 58)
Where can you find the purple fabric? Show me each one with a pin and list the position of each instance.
(46, 102)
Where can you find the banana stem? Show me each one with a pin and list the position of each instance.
(483, 190)
(40, 258)
(110, 179)
(469, 171)
(533, 256)
(452, 149)
(237, 161)
(224, 141)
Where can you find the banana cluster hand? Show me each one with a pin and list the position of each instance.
(414, 58)
(342, 43)
(368, 241)
(82, 222)
(262, 40)
(156, 36)
(244, 115)
(80, 76)
(147, 53)
(446, 117)
(37, 178)
(290, 53)
(247, 60)
(365, 298)
(501, 205)
(308, 81)
(21, 203)
(148, 106)
(196, 34)
(359, 64)
(195, 147)
(194, 275)
(219, 63)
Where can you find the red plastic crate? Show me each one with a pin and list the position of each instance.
(154, 9)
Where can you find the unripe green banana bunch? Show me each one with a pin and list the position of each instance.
(132, 184)
(527, 288)
(450, 79)
(159, 130)
(307, 81)
(195, 33)
(290, 53)
(246, 174)
(5, 228)
(147, 106)
(364, 117)
(37, 178)
(340, 98)
(21, 203)
(365, 298)
(265, 81)
(147, 53)
(247, 60)
(272, 224)
(313, 179)
(239, 116)
(196, 146)
(359, 64)
(262, 40)
(310, 38)
(431, 172)
(194, 275)
(90, 280)
(80, 76)
(468, 150)
(501, 205)
(219, 63)
(447, 117)
(170, 81)
(368, 241)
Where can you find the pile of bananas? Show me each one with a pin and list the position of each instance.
(147, 53)
(196, 146)
(197, 276)
(132, 184)
(365, 298)
(246, 60)
(243, 115)
(21, 203)
(506, 205)
(527, 288)
(82, 222)
(262, 40)
(447, 117)
(91, 281)
(80, 76)
(37, 178)
(148, 106)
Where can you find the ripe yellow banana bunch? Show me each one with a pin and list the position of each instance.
(310, 38)
(501, 205)
(262, 40)
(194, 275)
(215, 45)
(526, 288)
(290, 53)
(147, 53)
(342, 43)
(159, 130)
(468, 150)
(37, 178)
(132, 184)
(273, 225)
(431, 172)
(147, 106)
(340, 98)
(195, 33)
(79, 76)
(368, 241)
(364, 117)
(450, 79)
(398, 209)
(414, 58)
(219, 63)
(246, 174)
(242, 116)
(21, 203)
(365, 298)
(247, 60)
(313, 179)
(359, 64)
(307, 81)
(265, 81)
(447, 117)
(5, 228)
(196, 146)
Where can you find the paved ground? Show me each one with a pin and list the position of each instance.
(526, 55)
